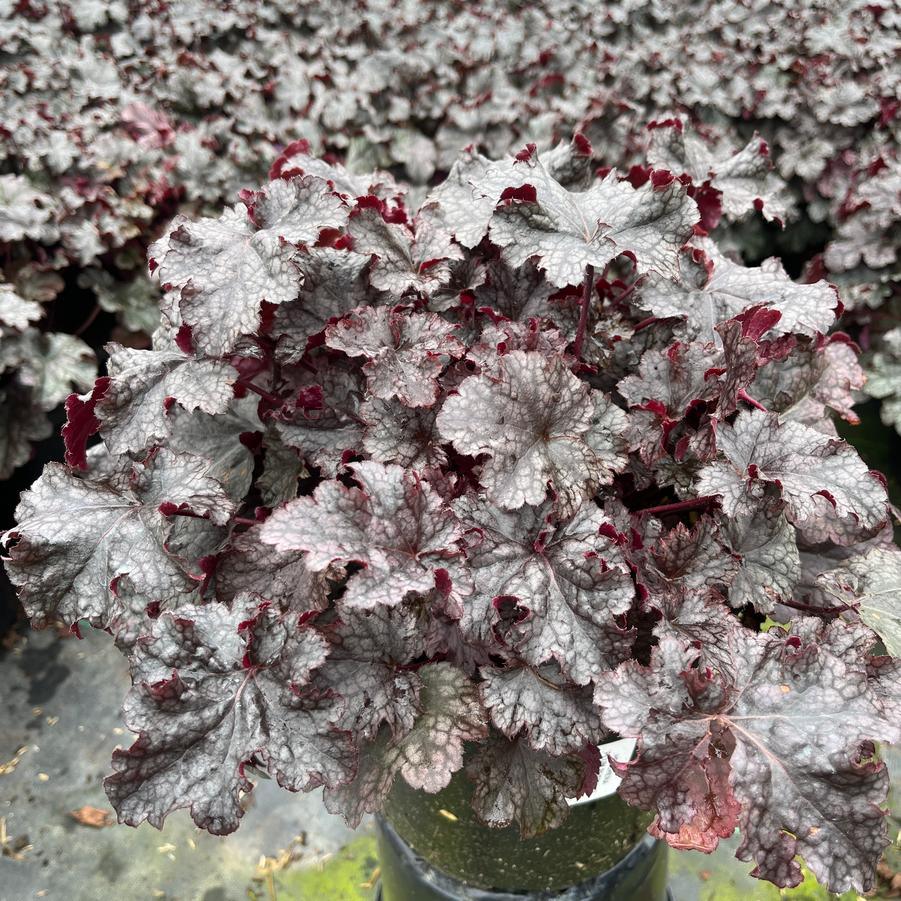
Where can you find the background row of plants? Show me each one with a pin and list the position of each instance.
(114, 116)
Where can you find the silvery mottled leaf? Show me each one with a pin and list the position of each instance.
(74, 537)
(568, 231)
(540, 426)
(144, 383)
(521, 294)
(393, 523)
(225, 269)
(776, 744)
(692, 558)
(323, 435)
(399, 256)
(769, 563)
(826, 486)
(297, 209)
(463, 202)
(54, 363)
(427, 755)
(674, 377)
(405, 352)
(498, 340)
(24, 211)
(250, 566)
(745, 178)
(395, 433)
(20, 425)
(17, 313)
(549, 713)
(710, 289)
(334, 283)
(368, 667)
(871, 582)
(217, 438)
(884, 377)
(282, 468)
(569, 579)
(216, 689)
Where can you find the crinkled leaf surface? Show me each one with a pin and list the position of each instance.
(394, 524)
(711, 288)
(569, 580)
(405, 352)
(225, 269)
(567, 231)
(144, 383)
(74, 537)
(215, 689)
(825, 484)
(450, 714)
(368, 667)
(540, 426)
(516, 783)
(550, 714)
(776, 744)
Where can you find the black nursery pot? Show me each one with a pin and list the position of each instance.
(432, 848)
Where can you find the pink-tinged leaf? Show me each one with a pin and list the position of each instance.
(427, 755)
(777, 741)
(393, 524)
(692, 558)
(674, 377)
(741, 177)
(827, 488)
(540, 426)
(405, 352)
(399, 256)
(217, 689)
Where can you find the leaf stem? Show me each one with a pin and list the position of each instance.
(267, 396)
(743, 395)
(88, 321)
(695, 503)
(587, 286)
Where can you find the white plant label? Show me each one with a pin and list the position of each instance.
(608, 781)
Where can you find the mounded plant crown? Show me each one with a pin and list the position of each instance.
(480, 485)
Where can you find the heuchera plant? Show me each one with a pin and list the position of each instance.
(397, 494)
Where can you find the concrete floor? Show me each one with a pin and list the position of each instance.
(58, 726)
